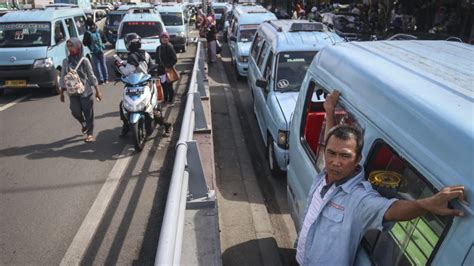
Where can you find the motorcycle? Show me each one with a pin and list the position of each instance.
(139, 103)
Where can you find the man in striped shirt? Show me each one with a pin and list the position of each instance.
(342, 205)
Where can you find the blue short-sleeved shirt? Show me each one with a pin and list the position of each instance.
(346, 215)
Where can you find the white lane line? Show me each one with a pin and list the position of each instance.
(109, 51)
(10, 104)
(89, 226)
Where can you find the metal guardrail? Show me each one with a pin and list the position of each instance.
(188, 188)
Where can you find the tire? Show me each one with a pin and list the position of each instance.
(139, 135)
(272, 162)
(56, 89)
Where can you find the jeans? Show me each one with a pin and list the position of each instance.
(82, 108)
(100, 69)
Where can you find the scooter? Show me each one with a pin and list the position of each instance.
(139, 102)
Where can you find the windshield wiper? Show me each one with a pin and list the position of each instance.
(289, 89)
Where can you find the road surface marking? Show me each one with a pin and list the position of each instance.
(90, 224)
(10, 104)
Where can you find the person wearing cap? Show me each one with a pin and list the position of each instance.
(342, 206)
(165, 59)
(314, 15)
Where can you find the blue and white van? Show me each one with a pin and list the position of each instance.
(244, 24)
(414, 102)
(148, 26)
(176, 23)
(281, 52)
(33, 46)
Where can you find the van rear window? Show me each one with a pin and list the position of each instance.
(172, 19)
(25, 34)
(144, 29)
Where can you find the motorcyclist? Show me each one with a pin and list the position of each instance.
(138, 60)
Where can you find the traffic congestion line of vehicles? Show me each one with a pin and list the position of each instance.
(33, 42)
(413, 101)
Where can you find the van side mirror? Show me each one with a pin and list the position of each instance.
(233, 38)
(262, 83)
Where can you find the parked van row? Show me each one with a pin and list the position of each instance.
(412, 100)
(33, 46)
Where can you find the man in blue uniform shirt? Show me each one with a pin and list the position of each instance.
(342, 205)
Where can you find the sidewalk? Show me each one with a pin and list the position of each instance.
(247, 237)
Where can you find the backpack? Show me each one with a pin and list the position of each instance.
(74, 85)
(96, 45)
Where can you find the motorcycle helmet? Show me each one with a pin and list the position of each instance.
(133, 42)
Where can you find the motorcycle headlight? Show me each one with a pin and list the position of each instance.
(243, 59)
(181, 34)
(43, 63)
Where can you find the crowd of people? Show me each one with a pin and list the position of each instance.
(403, 16)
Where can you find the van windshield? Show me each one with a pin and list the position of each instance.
(172, 19)
(143, 29)
(291, 70)
(25, 34)
(247, 32)
(114, 19)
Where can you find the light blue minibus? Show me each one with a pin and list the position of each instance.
(33, 46)
(244, 24)
(148, 26)
(414, 102)
(281, 52)
(176, 22)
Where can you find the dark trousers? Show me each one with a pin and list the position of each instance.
(82, 108)
(168, 91)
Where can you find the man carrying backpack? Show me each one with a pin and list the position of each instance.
(93, 40)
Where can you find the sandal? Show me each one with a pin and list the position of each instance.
(89, 139)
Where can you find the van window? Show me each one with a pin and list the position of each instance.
(313, 123)
(80, 24)
(247, 32)
(70, 27)
(407, 243)
(59, 33)
(291, 69)
(257, 43)
(149, 29)
(267, 72)
(262, 55)
(172, 19)
(25, 34)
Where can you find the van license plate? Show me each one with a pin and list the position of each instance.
(15, 83)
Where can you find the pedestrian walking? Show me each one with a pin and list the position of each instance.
(93, 39)
(211, 37)
(166, 59)
(78, 79)
(342, 205)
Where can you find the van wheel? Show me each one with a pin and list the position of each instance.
(56, 89)
(272, 162)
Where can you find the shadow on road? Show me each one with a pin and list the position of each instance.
(244, 253)
(72, 147)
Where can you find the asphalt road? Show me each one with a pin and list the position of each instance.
(50, 178)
